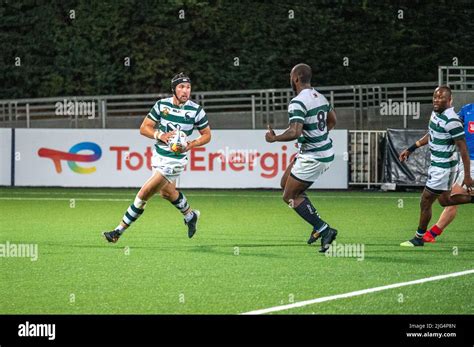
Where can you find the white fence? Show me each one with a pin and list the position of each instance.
(457, 77)
(366, 157)
(260, 106)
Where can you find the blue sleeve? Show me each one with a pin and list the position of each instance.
(462, 113)
(465, 110)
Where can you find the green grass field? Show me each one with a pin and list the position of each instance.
(249, 253)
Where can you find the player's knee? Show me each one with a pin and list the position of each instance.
(283, 181)
(443, 203)
(145, 193)
(165, 195)
(444, 200)
(286, 197)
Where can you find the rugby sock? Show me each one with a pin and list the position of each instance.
(419, 233)
(435, 230)
(472, 199)
(307, 211)
(181, 203)
(188, 216)
(131, 215)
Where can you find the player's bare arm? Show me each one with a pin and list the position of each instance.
(292, 133)
(202, 140)
(462, 146)
(420, 143)
(147, 129)
(331, 120)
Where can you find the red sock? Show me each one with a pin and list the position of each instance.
(436, 230)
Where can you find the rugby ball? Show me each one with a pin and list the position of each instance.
(178, 142)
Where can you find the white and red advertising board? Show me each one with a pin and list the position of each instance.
(122, 158)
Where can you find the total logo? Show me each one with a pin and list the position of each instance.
(200, 159)
(73, 157)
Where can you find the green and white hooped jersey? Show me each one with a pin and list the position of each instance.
(444, 129)
(311, 108)
(167, 116)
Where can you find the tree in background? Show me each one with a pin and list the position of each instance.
(130, 46)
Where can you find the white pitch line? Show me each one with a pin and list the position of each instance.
(61, 199)
(357, 293)
(215, 196)
(68, 193)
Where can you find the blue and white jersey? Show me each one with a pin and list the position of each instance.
(467, 116)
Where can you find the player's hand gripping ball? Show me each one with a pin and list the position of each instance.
(178, 142)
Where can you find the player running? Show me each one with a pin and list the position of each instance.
(310, 119)
(160, 124)
(445, 133)
(449, 213)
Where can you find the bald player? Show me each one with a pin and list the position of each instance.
(446, 132)
(449, 213)
(311, 117)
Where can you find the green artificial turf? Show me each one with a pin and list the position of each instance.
(249, 253)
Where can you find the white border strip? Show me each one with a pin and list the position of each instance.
(357, 293)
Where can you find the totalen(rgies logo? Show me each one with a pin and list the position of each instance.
(72, 157)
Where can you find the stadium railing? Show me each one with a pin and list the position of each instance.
(357, 105)
(366, 146)
(366, 150)
(358, 108)
(457, 77)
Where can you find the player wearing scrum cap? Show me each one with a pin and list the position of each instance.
(168, 114)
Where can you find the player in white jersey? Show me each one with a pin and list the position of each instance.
(160, 125)
(446, 132)
(310, 117)
(466, 115)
